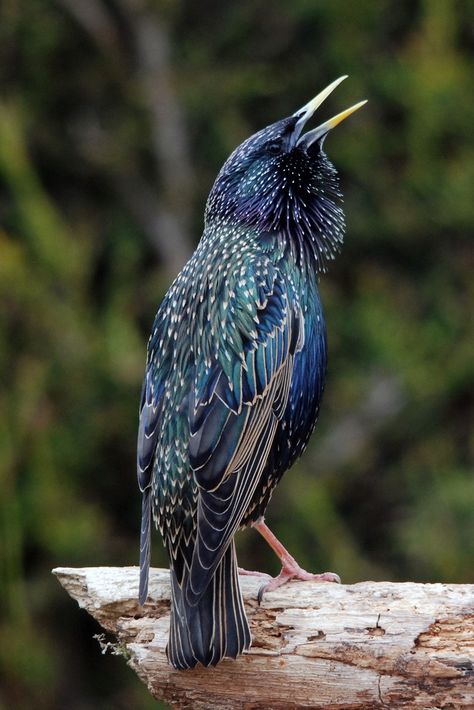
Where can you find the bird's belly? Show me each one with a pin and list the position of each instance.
(306, 390)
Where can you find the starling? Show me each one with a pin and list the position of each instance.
(234, 376)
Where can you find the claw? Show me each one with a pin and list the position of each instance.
(290, 572)
(290, 568)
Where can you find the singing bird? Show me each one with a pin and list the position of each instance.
(235, 372)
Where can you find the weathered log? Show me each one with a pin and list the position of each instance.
(315, 645)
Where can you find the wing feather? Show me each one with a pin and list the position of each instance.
(151, 402)
(231, 439)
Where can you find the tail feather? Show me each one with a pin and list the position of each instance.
(145, 545)
(216, 626)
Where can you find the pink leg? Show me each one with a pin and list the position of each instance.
(290, 568)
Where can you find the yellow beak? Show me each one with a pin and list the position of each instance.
(305, 113)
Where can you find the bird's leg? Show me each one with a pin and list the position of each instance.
(290, 568)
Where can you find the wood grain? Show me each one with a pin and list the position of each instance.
(315, 645)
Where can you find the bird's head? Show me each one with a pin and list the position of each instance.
(280, 181)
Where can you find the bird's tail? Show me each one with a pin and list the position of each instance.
(214, 628)
(145, 545)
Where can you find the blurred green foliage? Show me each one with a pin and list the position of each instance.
(107, 107)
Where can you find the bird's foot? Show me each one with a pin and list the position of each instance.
(292, 570)
(251, 573)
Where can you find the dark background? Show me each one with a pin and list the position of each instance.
(115, 116)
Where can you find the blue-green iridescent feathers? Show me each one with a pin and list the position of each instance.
(234, 378)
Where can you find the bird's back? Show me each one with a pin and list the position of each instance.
(227, 298)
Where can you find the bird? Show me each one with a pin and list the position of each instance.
(235, 372)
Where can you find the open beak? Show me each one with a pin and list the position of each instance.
(305, 113)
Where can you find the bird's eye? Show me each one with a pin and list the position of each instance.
(274, 147)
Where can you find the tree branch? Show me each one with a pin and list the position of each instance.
(367, 645)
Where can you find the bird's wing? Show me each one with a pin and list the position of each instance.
(150, 410)
(233, 418)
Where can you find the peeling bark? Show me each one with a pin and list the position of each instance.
(315, 645)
